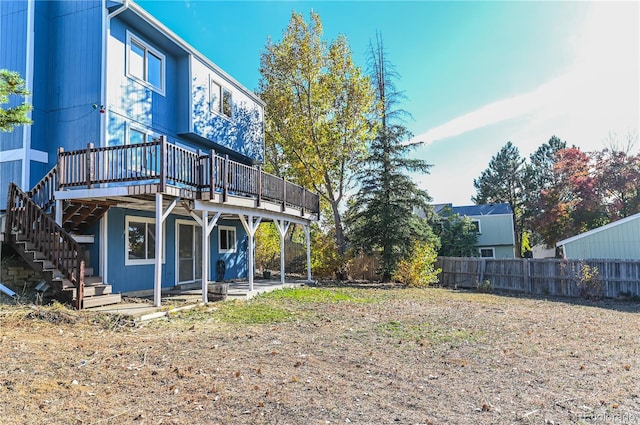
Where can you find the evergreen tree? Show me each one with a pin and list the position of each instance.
(503, 181)
(381, 217)
(12, 85)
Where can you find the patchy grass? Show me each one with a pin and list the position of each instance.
(333, 354)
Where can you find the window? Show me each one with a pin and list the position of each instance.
(141, 240)
(487, 253)
(138, 160)
(226, 239)
(215, 96)
(220, 99)
(227, 103)
(145, 64)
(475, 225)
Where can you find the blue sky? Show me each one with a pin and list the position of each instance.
(476, 74)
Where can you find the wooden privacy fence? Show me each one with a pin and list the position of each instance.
(555, 277)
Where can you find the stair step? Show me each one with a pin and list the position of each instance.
(92, 291)
(98, 301)
(83, 238)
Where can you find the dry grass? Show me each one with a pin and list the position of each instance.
(328, 355)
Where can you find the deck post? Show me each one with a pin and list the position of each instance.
(225, 181)
(284, 194)
(59, 212)
(157, 280)
(283, 227)
(212, 174)
(250, 226)
(205, 257)
(90, 164)
(61, 170)
(207, 226)
(259, 198)
(307, 237)
(163, 163)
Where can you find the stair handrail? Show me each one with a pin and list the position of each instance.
(43, 191)
(58, 246)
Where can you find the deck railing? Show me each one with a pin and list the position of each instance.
(163, 163)
(26, 218)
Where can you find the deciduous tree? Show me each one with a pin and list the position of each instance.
(318, 106)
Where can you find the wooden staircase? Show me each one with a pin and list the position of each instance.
(51, 250)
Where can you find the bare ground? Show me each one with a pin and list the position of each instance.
(328, 355)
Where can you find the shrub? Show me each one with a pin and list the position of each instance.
(589, 282)
(418, 270)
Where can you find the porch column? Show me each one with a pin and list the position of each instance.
(157, 277)
(250, 225)
(283, 227)
(207, 226)
(161, 216)
(307, 236)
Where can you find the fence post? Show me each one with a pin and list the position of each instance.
(90, 163)
(526, 279)
(304, 202)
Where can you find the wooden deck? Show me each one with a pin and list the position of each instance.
(141, 170)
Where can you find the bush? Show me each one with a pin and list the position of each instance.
(418, 270)
(589, 282)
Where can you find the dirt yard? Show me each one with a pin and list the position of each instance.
(328, 355)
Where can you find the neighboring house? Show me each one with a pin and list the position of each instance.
(619, 240)
(141, 147)
(494, 223)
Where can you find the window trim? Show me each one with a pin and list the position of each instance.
(147, 49)
(235, 240)
(147, 220)
(473, 220)
(493, 252)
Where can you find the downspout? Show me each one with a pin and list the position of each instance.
(106, 31)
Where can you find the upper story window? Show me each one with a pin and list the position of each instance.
(220, 99)
(475, 225)
(145, 64)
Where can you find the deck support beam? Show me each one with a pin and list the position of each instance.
(207, 226)
(161, 216)
(307, 237)
(250, 224)
(283, 227)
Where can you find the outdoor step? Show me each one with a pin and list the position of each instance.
(83, 238)
(93, 291)
(97, 301)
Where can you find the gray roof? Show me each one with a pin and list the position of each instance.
(476, 210)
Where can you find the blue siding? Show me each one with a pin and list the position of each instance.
(128, 278)
(75, 74)
(13, 56)
(9, 172)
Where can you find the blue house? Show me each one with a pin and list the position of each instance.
(142, 169)
(494, 224)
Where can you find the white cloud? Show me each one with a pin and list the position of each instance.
(599, 94)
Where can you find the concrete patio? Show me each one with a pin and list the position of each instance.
(177, 299)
